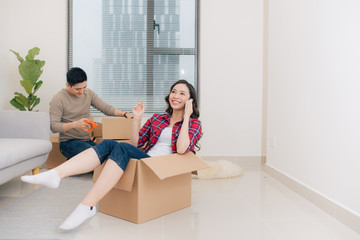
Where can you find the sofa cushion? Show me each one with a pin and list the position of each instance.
(14, 150)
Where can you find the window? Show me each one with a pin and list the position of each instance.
(134, 50)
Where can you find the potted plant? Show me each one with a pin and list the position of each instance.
(30, 70)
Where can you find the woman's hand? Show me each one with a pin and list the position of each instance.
(188, 108)
(183, 140)
(138, 110)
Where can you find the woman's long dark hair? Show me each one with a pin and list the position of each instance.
(193, 96)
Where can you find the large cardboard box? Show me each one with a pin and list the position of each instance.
(55, 157)
(151, 187)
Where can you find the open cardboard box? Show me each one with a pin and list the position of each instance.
(151, 187)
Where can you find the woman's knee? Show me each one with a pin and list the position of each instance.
(108, 143)
(121, 154)
(124, 147)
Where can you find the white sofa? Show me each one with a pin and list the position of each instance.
(24, 142)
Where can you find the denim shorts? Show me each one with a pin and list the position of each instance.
(73, 147)
(118, 152)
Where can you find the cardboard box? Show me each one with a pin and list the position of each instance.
(55, 157)
(116, 128)
(151, 187)
(97, 132)
(113, 128)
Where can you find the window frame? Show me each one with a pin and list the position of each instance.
(150, 49)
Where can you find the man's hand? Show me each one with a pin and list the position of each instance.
(129, 115)
(81, 125)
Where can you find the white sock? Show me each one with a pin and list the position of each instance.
(50, 179)
(78, 216)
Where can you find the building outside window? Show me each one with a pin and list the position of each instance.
(134, 50)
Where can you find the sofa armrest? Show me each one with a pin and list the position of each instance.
(23, 124)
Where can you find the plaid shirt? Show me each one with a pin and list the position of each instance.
(149, 134)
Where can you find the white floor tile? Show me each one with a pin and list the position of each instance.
(252, 207)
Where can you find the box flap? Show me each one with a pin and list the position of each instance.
(126, 181)
(174, 164)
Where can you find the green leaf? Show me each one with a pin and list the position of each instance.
(36, 102)
(23, 100)
(27, 85)
(32, 53)
(17, 105)
(18, 56)
(39, 63)
(37, 86)
(31, 99)
(30, 70)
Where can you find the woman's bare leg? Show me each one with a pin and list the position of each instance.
(83, 162)
(109, 176)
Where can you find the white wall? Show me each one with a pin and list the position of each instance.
(26, 24)
(314, 96)
(230, 65)
(231, 44)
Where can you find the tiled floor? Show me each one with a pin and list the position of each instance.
(251, 207)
